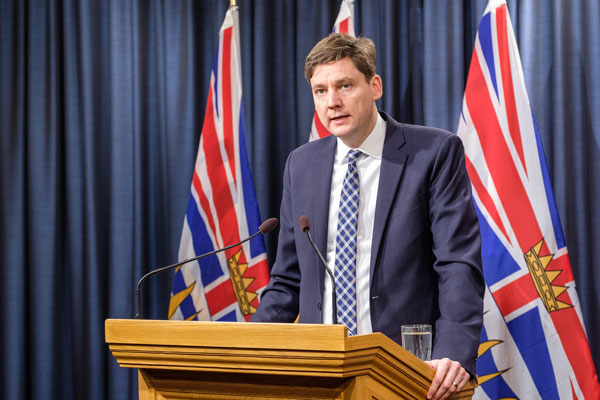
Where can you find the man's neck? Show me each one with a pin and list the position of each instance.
(356, 143)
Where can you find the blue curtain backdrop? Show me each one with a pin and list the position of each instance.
(101, 108)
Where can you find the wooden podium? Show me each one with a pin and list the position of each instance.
(217, 360)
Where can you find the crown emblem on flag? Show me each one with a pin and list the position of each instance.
(240, 284)
(543, 278)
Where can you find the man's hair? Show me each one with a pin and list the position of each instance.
(337, 46)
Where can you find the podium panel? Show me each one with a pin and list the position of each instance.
(220, 360)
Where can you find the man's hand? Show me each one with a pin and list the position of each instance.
(449, 378)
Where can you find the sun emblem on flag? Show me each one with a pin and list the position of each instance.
(542, 278)
(178, 298)
(240, 284)
(484, 347)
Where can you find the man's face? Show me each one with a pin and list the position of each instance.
(345, 101)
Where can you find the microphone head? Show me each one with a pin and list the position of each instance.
(268, 225)
(304, 223)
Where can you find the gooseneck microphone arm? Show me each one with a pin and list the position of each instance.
(264, 228)
(305, 226)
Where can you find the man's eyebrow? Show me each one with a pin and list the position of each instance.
(344, 79)
(336, 82)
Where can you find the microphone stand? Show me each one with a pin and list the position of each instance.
(266, 227)
(305, 226)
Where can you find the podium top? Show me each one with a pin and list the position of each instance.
(268, 349)
(226, 334)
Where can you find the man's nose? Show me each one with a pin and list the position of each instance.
(333, 99)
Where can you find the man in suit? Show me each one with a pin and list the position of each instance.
(410, 253)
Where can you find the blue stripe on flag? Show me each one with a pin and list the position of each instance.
(231, 317)
(497, 261)
(496, 388)
(485, 39)
(257, 245)
(529, 336)
(558, 232)
(210, 269)
(178, 282)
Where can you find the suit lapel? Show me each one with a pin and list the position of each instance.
(392, 166)
(322, 181)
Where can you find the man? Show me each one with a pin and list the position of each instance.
(411, 252)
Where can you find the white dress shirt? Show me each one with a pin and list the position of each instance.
(369, 165)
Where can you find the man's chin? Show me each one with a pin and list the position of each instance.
(338, 131)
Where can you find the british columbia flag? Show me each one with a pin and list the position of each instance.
(533, 342)
(344, 23)
(222, 208)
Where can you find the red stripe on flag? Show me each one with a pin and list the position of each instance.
(515, 295)
(259, 272)
(221, 192)
(204, 204)
(485, 197)
(227, 114)
(574, 341)
(507, 83)
(344, 26)
(321, 130)
(500, 163)
(215, 166)
(220, 297)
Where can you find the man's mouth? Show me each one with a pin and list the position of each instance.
(338, 118)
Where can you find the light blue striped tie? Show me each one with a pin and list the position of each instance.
(345, 246)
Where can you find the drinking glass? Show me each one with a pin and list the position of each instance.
(416, 338)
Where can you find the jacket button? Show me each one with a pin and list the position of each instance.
(319, 306)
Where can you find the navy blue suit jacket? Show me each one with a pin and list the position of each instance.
(425, 258)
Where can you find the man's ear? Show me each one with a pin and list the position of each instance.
(376, 87)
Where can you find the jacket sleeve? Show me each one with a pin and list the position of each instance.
(280, 299)
(457, 250)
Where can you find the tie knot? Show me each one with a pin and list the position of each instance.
(353, 156)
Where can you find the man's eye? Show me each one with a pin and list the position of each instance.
(346, 86)
(319, 91)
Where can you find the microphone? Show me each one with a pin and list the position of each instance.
(263, 229)
(305, 226)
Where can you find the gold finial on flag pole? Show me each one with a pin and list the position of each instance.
(232, 3)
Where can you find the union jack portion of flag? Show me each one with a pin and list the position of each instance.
(533, 342)
(344, 23)
(222, 208)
